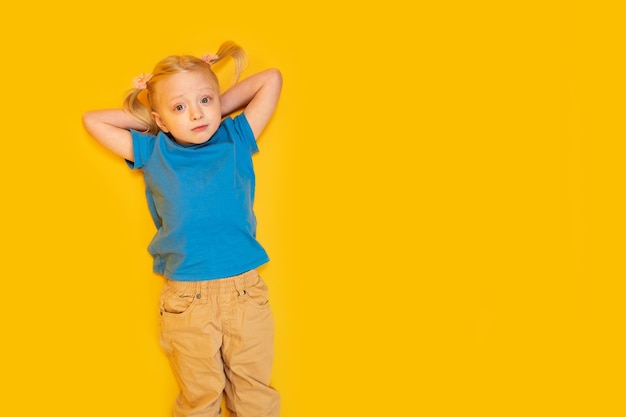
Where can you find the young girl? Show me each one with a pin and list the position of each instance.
(216, 323)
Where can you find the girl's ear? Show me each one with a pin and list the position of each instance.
(159, 122)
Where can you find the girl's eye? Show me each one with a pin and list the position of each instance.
(204, 100)
(179, 107)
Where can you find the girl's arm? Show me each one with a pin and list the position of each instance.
(258, 95)
(110, 129)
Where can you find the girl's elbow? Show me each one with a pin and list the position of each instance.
(275, 79)
(89, 119)
(276, 75)
(92, 122)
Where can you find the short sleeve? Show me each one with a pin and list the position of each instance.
(245, 132)
(143, 144)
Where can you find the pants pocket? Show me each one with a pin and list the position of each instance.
(257, 294)
(176, 302)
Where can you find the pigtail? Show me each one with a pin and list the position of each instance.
(230, 48)
(139, 111)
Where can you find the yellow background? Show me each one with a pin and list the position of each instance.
(441, 191)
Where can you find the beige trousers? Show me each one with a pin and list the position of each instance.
(218, 336)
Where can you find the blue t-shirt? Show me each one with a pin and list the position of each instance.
(201, 198)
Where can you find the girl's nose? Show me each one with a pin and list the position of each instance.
(195, 113)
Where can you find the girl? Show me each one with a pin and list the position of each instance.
(216, 324)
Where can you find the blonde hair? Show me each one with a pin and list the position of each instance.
(141, 108)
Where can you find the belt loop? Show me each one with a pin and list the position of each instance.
(202, 292)
(240, 285)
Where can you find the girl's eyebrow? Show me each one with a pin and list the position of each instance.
(174, 101)
(183, 94)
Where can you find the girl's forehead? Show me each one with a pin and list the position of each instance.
(186, 79)
(183, 83)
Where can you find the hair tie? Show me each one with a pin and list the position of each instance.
(141, 82)
(210, 58)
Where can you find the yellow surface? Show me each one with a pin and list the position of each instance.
(441, 191)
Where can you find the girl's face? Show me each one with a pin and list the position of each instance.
(187, 105)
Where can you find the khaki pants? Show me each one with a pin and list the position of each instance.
(218, 336)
